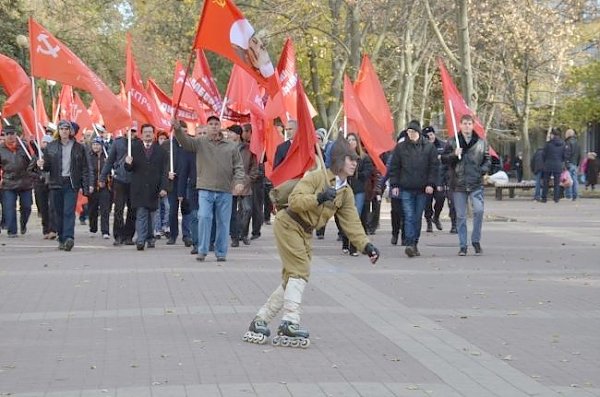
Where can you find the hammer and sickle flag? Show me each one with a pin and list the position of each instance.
(52, 60)
(224, 30)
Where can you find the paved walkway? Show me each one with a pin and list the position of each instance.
(522, 320)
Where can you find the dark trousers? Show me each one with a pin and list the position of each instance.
(64, 200)
(123, 229)
(258, 202)
(144, 225)
(9, 208)
(370, 215)
(433, 211)
(174, 216)
(42, 202)
(268, 206)
(450, 199)
(556, 188)
(99, 203)
(397, 218)
(241, 210)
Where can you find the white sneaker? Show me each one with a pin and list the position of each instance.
(106, 236)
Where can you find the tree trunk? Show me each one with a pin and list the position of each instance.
(427, 78)
(355, 39)
(525, 127)
(316, 86)
(464, 50)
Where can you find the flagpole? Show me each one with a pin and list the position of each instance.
(35, 118)
(345, 127)
(24, 148)
(454, 125)
(187, 72)
(129, 131)
(223, 108)
(333, 123)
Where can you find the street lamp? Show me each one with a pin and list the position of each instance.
(23, 43)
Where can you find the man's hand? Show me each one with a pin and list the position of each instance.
(440, 188)
(128, 160)
(326, 195)
(175, 123)
(162, 193)
(172, 175)
(40, 163)
(458, 151)
(238, 189)
(180, 199)
(395, 192)
(372, 252)
(91, 189)
(102, 185)
(429, 190)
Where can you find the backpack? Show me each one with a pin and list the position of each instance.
(279, 195)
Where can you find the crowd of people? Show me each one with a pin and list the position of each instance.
(210, 185)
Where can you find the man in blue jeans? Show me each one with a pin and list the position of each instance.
(218, 167)
(468, 162)
(414, 173)
(572, 159)
(17, 182)
(67, 164)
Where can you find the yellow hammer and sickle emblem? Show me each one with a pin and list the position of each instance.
(220, 3)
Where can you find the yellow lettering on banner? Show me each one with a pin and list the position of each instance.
(220, 3)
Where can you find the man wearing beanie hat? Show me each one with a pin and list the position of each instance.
(66, 162)
(413, 174)
(317, 197)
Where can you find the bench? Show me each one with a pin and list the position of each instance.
(511, 186)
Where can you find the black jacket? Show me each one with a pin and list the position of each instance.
(414, 165)
(466, 174)
(362, 175)
(554, 155)
(281, 152)
(116, 161)
(97, 161)
(572, 151)
(537, 161)
(16, 173)
(149, 175)
(79, 166)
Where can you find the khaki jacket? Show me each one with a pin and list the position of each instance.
(218, 163)
(303, 201)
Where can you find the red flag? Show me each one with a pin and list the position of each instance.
(204, 85)
(301, 155)
(65, 103)
(189, 98)
(143, 108)
(223, 29)
(17, 85)
(243, 92)
(257, 140)
(95, 114)
(373, 139)
(80, 115)
(164, 103)
(51, 59)
(288, 79)
(368, 89)
(460, 107)
(42, 116)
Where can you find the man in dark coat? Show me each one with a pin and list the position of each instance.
(554, 160)
(283, 148)
(414, 173)
(149, 166)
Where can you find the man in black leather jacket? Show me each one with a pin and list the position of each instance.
(66, 162)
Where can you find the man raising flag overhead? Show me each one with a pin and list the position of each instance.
(51, 59)
(224, 30)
